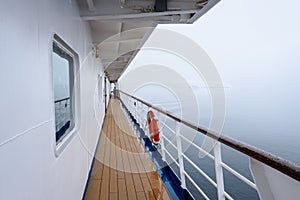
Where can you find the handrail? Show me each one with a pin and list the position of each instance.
(284, 166)
(60, 100)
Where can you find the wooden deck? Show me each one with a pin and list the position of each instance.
(122, 168)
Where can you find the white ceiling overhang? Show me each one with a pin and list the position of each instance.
(120, 27)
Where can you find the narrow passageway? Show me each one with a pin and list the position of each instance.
(122, 168)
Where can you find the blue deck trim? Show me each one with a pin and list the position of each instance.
(167, 175)
(88, 180)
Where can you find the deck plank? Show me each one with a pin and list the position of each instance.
(141, 196)
(104, 192)
(93, 192)
(122, 189)
(113, 163)
(113, 196)
(148, 189)
(130, 186)
(122, 168)
(97, 170)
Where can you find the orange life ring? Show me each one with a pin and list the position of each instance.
(153, 127)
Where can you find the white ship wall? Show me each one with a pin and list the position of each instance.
(29, 168)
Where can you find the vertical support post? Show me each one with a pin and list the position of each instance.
(219, 171)
(105, 95)
(142, 112)
(180, 157)
(163, 150)
(147, 129)
(137, 112)
(130, 103)
(138, 108)
(127, 102)
(135, 109)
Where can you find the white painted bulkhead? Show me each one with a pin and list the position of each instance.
(30, 168)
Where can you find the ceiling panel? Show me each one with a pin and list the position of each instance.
(119, 27)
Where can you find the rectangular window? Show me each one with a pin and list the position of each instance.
(63, 64)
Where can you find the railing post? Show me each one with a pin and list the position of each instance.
(139, 112)
(180, 157)
(131, 102)
(219, 171)
(162, 142)
(128, 104)
(135, 109)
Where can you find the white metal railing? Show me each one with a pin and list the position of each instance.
(139, 109)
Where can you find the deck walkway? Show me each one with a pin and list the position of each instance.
(122, 168)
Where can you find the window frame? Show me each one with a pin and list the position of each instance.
(66, 138)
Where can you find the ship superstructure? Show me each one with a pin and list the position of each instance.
(65, 135)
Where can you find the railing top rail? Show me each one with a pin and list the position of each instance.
(286, 167)
(60, 100)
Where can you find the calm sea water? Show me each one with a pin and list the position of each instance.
(265, 135)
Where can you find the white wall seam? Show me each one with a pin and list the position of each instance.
(24, 132)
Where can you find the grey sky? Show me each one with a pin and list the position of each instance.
(255, 46)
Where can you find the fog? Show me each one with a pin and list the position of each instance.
(255, 46)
